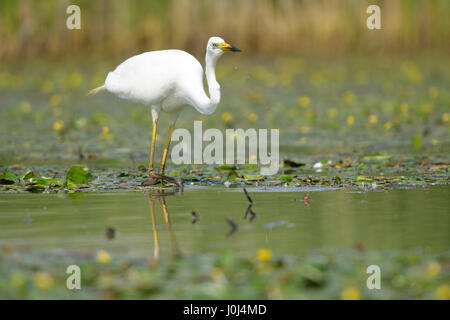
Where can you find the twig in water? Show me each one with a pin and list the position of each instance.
(250, 212)
(233, 227)
(110, 233)
(248, 196)
(195, 217)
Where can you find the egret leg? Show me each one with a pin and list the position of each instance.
(155, 231)
(175, 251)
(152, 149)
(155, 116)
(166, 148)
(160, 176)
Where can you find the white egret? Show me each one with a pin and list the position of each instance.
(168, 80)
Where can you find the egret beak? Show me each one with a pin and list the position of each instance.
(229, 47)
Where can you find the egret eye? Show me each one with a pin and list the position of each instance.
(214, 45)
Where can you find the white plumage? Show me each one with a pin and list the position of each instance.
(166, 78)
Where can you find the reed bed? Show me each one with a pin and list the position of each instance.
(30, 28)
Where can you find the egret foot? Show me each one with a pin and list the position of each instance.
(161, 178)
(149, 182)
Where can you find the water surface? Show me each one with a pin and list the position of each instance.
(282, 221)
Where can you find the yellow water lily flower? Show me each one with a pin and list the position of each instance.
(105, 135)
(43, 280)
(58, 125)
(216, 273)
(350, 293)
(304, 101)
(350, 120)
(55, 100)
(103, 257)
(253, 117)
(404, 108)
(75, 79)
(226, 117)
(332, 113)
(388, 126)
(264, 255)
(412, 72)
(373, 119)
(433, 269)
(349, 96)
(443, 292)
(25, 107)
(446, 117)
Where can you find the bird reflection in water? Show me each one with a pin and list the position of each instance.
(160, 196)
(307, 200)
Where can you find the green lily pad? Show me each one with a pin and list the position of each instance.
(35, 188)
(78, 175)
(29, 176)
(254, 177)
(286, 178)
(376, 157)
(417, 142)
(44, 181)
(70, 185)
(250, 166)
(232, 175)
(8, 177)
(337, 179)
(123, 174)
(363, 179)
(174, 173)
(226, 167)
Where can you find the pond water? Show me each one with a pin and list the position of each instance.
(281, 221)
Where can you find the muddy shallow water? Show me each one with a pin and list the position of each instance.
(282, 221)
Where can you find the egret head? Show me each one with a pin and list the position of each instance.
(217, 46)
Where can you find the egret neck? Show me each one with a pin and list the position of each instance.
(213, 85)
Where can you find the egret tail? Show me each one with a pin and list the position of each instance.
(96, 90)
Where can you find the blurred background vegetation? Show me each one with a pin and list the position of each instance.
(30, 28)
(311, 68)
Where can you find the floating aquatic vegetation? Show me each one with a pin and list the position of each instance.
(8, 177)
(316, 274)
(78, 175)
